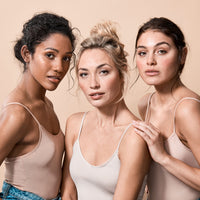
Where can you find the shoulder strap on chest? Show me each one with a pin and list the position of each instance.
(126, 129)
(81, 126)
(148, 106)
(26, 108)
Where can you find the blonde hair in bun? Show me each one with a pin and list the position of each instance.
(107, 28)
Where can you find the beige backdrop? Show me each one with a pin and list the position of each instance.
(130, 14)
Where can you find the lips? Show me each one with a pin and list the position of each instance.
(96, 95)
(152, 72)
(54, 79)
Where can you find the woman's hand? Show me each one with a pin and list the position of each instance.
(153, 139)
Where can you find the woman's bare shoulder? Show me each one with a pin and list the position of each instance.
(74, 118)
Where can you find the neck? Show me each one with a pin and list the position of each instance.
(31, 88)
(109, 115)
(169, 87)
(167, 93)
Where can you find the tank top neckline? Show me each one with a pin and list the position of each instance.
(111, 157)
(38, 123)
(174, 134)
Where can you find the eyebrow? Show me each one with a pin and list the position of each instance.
(50, 48)
(158, 44)
(99, 66)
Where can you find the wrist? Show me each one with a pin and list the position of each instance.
(165, 160)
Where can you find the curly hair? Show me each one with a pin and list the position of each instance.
(38, 29)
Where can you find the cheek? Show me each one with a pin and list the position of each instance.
(115, 84)
(171, 65)
(140, 64)
(82, 85)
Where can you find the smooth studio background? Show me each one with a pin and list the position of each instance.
(83, 14)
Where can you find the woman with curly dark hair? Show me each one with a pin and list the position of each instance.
(32, 143)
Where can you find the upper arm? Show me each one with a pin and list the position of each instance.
(142, 106)
(188, 124)
(135, 161)
(14, 121)
(68, 189)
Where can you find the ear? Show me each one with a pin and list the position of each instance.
(184, 54)
(25, 54)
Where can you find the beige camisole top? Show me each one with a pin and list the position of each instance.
(38, 171)
(162, 184)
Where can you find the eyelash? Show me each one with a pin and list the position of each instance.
(49, 55)
(83, 75)
(104, 72)
(67, 58)
(158, 52)
(162, 51)
(141, 53)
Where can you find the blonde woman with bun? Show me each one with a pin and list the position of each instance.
(105, 159)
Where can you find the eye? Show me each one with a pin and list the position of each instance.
(104, 72)
(161, 51)
(83, 75)
(141, 53)
(50, 55)
(67, 58)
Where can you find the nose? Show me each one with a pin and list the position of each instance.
(58, 66)
(151, 59)
(94, 82)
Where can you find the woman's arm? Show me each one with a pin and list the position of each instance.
(68, 189)
(188, 126)
(14, 124)
(135, 161)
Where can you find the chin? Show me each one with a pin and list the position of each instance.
(51, 88)
(151, 81)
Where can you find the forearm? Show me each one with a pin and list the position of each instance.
(68, 190)
(68, 197)
(130, 189)
(184, 172)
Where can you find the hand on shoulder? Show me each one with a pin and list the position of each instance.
(133, 147)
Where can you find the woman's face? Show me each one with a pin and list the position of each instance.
(99, 78)
(157, 58)
(50, 62)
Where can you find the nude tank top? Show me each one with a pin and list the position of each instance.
(162, 184)
(38, 171)
(94, 182)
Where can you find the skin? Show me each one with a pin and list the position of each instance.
(100, 82)
(45, 69)
(157, 61)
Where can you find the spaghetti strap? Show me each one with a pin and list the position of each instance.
(123, 135)
(179, 102)
(83, 118)
(17, 103)
(148, 106)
